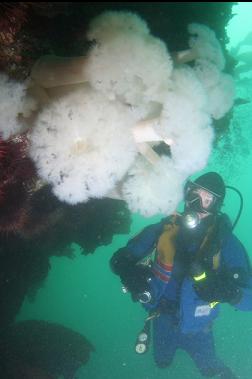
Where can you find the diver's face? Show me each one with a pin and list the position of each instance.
(200, 201)
(206, 198)
(198, 206)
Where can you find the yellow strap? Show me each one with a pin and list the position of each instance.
(200, 277)
(213, 304)
(206, 245)
(216, 260)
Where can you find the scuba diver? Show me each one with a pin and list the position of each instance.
(194, 264)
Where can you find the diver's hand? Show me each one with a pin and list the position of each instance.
(217, 287)
(137, 281)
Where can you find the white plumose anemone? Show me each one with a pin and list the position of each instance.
(219, 88)
(185, 121)
(131, 66)
(207, 72)
(152, 190)
(191, 133)
(205, 45)
(221, 97)
(13, 102)
(108, 24)
(82, 144)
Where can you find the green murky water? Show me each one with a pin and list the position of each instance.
(84, 295)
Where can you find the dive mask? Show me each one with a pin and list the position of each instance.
(200, 199)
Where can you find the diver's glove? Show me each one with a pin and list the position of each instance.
(215, 286)
(137, 282)
(134, 277)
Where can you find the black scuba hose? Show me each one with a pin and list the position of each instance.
(241, 205)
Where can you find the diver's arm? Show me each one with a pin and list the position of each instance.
(123, 263)
(136, 249)
(236, 260)
(232, 282)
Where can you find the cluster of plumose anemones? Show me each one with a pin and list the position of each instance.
(93, 122)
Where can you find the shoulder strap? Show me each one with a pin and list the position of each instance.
(209, 251)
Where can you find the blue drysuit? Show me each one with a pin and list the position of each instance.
(184, 319)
